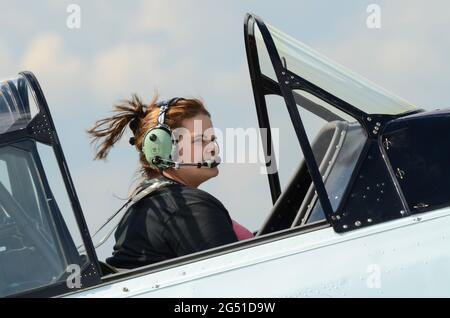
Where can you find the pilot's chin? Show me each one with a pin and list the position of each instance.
(214, 171)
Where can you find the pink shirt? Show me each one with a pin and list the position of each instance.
(241, 232)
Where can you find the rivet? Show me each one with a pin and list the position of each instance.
(369, 119)
(358, 223)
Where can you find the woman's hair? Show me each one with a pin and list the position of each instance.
(139, 117)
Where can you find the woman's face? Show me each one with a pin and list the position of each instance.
(196, 143)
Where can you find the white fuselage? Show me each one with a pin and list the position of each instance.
(407, 257)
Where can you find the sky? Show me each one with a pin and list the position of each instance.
(196, 48)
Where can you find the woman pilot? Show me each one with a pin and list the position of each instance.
(175, 218)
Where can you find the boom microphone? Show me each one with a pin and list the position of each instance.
(210, 163)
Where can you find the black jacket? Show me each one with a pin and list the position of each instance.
(172, 221)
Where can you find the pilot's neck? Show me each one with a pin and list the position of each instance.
(178, 179)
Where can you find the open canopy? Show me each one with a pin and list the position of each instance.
(318, 70)
(306, 80)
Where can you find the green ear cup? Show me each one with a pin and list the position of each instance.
(157, 143)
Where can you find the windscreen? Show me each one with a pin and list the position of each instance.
(329, 75)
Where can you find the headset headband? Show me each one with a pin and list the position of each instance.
(164, 107)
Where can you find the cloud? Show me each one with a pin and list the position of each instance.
(183, 22)
(46, 53)
(145, 68)
(163, 17)
(163, 47)
(59, 72)
(130, 67)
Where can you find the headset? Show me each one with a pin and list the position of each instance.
(159, 146)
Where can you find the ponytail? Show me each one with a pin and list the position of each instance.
(107, 131)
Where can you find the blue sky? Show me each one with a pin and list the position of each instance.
(196, 48)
